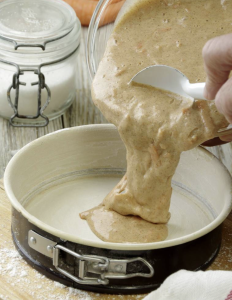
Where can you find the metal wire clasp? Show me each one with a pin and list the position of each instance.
(40, 109)
(82, 278)
(41, 82)
(93, 269)
(102, 268)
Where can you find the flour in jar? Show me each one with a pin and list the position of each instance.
(155, 126)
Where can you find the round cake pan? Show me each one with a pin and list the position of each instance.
(51, 180)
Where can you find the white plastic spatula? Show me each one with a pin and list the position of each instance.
(170, 79)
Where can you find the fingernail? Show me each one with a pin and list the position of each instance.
(210, 90)
(226, 138)
(206, 91)
(206, 94)
(218, 105)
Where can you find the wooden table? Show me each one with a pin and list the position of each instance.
(17, 279)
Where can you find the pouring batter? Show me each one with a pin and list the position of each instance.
(154, 125)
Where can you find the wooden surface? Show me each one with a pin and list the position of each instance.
(17, 279)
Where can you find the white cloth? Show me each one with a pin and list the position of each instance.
(186, 285)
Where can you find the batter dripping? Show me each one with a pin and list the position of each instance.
(155, 126)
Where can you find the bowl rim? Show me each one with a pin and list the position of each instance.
(101, 244)
(91, 36)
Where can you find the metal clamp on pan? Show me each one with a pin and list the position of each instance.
(103, 268)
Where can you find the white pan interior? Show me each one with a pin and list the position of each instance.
(58, 176)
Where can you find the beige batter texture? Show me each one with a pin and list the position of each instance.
(111, 226)
(155, 126)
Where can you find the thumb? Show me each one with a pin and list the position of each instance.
(223, 100)
(217, 55)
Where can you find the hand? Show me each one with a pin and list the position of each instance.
(217, 55)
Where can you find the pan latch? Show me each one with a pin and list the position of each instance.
(93, 269)
(101, 268)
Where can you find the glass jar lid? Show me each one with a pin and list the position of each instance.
(36, 22)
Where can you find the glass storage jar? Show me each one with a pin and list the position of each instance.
(98, 36)
(39, 43)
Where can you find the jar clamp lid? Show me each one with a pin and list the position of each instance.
(35, 30)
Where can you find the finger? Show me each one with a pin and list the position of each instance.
(223, 100)
(226, 138)
(217, 55)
